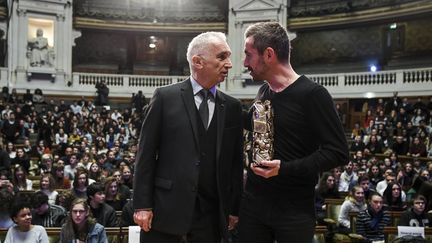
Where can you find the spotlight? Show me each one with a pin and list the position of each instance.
(373, 68)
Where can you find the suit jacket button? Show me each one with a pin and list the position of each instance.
(197, 163)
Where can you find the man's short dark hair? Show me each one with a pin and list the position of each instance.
(38, 199)
(94, 188)
(270, 34)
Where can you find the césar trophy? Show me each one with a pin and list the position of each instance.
(262, 132)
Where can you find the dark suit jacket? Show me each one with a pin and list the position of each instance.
(166, 171)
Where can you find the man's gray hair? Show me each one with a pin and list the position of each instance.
(199, 44)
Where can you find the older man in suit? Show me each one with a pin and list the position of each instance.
(188, 176)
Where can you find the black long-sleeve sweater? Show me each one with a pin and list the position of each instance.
(308, 139)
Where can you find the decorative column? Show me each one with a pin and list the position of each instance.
(243, 13)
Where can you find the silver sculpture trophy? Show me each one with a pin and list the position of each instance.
(262, 132)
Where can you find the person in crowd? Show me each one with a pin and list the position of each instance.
(46, 214)
(10, 129)
(20, 180)
(371, 222)
(389, 177)
(47, 186)
(417, 148)
(102, 91)
(364, 182)
(126, 176)
(349, 176)
(81, 183)
(95, 172)
(201, 175)
(6, 199)
(416, 216)
(357, 144)
(64, 199)
(24, 231)
(112, 195)
(124, 190)
(80, 226)
(102, 212)
(374, 175)
(46, 164)
(290, 176)
(21, 159)
(405, 176)
(71, 169)
(326, 189)
(61, 182)
(393, 197)
(354, 202)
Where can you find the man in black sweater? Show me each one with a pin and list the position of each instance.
(278, 202)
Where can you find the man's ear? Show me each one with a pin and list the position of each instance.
(197, 61)
(269, 55)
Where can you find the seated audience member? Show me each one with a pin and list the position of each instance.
(22, 159)
(389, 176)
(80, 226)
(61, 182)
(95, 172)
(405, 176)
(416, 216)
(46, 164)
(47, 185)
(123, 189)
(20, 180)
(103, 213)
(326, 189)
(374, 175)
(127, 177)
(112, 195)
(347, 177)
(354, 202)
(24, 231)
(71, 168)
(6, 199)
(364, 182)
(81, 183)
(64, 199)
(371, 222)
(393, 198)
(45, 214)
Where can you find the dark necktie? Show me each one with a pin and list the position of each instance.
(203, 108)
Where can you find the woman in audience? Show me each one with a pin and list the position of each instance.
(127, 177)
(20, 180)
(375, 175)
(10, 149)
(80, 183)
(95, 172)
(354, 202)
(61, 182)
(47, 184)
(371, 222)
(112, 195)
(393, 197)
(24, 231)
(405, 176)
(21, 159)
(80, 226)
(326, 189)
(124, 190)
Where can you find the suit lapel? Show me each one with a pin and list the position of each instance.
(220, 111)
(189, 102)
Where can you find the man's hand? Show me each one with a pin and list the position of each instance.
(232, 221)
(267, 168)
(144, 219)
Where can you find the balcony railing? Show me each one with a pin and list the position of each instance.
(408, 82)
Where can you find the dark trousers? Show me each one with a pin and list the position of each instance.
(204, 229)
(266, 220)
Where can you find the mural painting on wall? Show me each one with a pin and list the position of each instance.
(40, 50)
